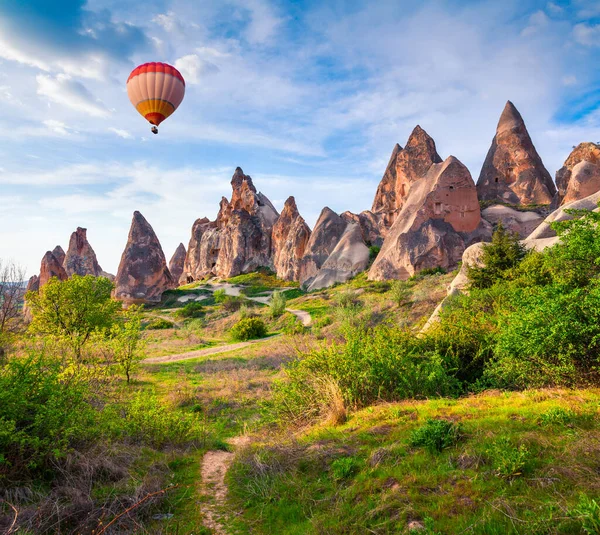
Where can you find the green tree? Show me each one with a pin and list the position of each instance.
(400, 292)
(127, 343)
(277, 304)
(73, 310)
(498, 257)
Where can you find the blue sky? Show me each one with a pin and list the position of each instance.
(308, 97)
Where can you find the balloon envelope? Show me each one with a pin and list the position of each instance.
(156, 90)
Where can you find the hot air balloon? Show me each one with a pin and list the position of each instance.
(156, 90)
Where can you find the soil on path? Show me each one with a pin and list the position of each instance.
(214, 467)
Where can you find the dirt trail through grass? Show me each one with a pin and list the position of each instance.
(214, 467)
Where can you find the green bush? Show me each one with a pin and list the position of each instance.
(381, 363)
(193, 309)
(248, 329)
(293, 326)
(400, 292)
(44, 407)
(557, 416)
(509, 461)
(344, 468)
(160, 323)
(347, 299)
(220, 295)
(531, 351)
(373, 252)
(501, 255)
(277, 304)
(436, 435)
(146, 420)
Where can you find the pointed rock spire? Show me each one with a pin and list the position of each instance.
(405, 167)
(325, 236)
(177, 261)
(513, 171)
(51, 267)
(143, 275)
(290, 238)
(81, 258)
(59, 254)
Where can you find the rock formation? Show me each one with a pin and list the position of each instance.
(522, 223)
(143, 274)
(541, 238)
(370, 224)
(404, 168)
(349, 257)
(177, 261)
(81, 258)
(59, 254)
(439, 219)
(325, 236)
(49, 268)
(239, 241)
(290, 238)
(580, 175)
(513, 172)
(33, 285)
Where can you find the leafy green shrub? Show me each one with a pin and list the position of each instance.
(344, 468)
(248, 329)
(232, 303)
(220, 295)
(427, 272)
(587, 512)
(44, 407)
(147, 420)
(509, 461)
(557, 416)
(160, 323)
(346, 299)
(400, 292)
(293, 326)
(501, 255)
(246, 312)
(373, 252)
(323, 321)
(277, 304)
(436, 435)
(193, 309)
(380, 363)
(532, 351)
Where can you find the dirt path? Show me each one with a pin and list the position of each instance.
(206, 352)
(214, 467)
(302, 315)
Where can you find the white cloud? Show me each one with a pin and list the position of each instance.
(263, 24)
(587, 34)
(167, 20)
(121, 133)
(57, 126)
(193, 67)
(63, 90)
(537, 21)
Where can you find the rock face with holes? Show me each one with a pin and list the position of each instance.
(81, 258)
(580, 175)
(49, 268)
(513, 171)
(438, 220)
(323, 240)
(177, 261)
(238, 241)
(406, 166)
(143, 274)
(290, 238)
